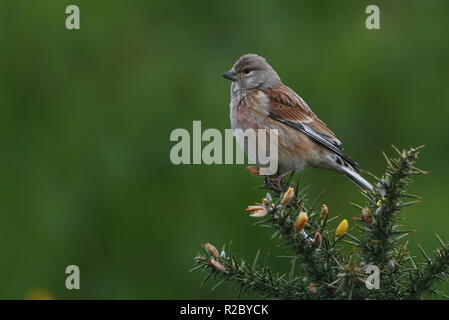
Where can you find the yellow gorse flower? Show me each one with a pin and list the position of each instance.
(324, 211)
(39, 294)
(317, 241)
(287, 197)
(342, 228)
(301, 221)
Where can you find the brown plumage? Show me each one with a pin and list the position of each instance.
(259, 100)
(289, 106)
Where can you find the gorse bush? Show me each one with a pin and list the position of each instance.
(371, 261)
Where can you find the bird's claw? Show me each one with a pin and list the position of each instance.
(277, 183)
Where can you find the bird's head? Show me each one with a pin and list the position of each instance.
(252, 71)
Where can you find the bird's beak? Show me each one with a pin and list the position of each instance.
(231, 75)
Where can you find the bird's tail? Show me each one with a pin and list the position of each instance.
(357, 178)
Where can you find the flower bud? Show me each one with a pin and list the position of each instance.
(317, 240)
(257, 211)
(367, 217)
(324, 211)
(301, 221)
(311, 288)
(342, 228)
(211, 249)
(287, 197)
(268, 197)
(217, 265)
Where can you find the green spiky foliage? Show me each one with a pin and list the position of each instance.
(325, 265)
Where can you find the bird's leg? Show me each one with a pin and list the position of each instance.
(276, 183)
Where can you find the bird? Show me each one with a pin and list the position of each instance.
(259, 100)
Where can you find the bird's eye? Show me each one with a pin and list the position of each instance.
(247, 70)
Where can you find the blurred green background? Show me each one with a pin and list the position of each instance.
(85, 120)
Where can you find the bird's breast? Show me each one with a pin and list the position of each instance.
(248, 110)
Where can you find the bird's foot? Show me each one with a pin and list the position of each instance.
(253, 170)
(278, 184)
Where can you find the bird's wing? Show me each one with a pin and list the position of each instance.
(288, 108)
